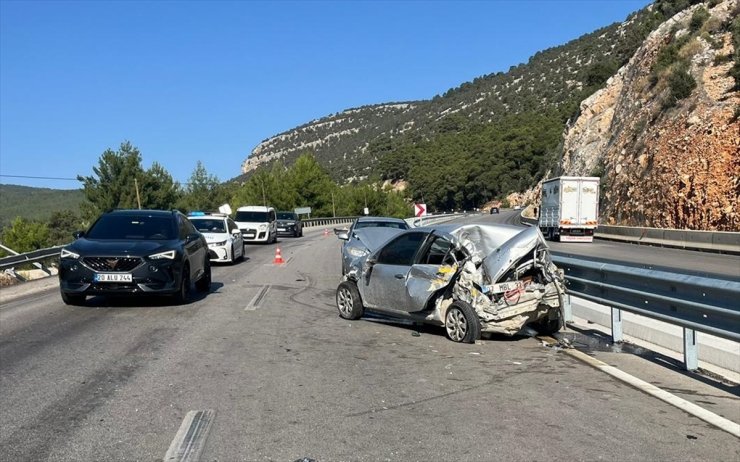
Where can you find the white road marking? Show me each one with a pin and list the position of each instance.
(191, 437)
(686, 406)
(255, 301)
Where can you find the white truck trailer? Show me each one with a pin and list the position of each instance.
(569, 209)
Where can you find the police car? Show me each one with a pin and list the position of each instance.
(225, 242)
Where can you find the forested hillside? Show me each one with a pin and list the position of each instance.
(35, 203)
(497, 134)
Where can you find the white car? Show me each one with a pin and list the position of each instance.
(225, 241)
(257, 223)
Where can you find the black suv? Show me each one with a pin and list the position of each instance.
(289, 224)
(135, 252)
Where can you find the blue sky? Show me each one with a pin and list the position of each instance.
(188, 81)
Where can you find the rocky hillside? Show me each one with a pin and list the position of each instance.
(349, 144)
(668, 150)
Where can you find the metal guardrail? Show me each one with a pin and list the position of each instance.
(712, 241)
(29, 257)
(696, 303)
(309, 222)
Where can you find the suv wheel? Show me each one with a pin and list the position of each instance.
(183, 294)
(204, 283)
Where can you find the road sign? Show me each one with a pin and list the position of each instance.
(420, 210)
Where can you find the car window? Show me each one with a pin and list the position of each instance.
(185, 227)
(287, 216)
(272, 215)
(439, 253)
(381, 224)
(209, 225)
(402, 250)
(132, 227)
(255, 217)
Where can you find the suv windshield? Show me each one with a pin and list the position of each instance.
(256, 217)
(287, 216)
(133, 227)
(209, 225)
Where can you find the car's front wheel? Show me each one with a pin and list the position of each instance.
(462, 323)
(73, 299)
(349, 302)
(204, 283)
(183, 294)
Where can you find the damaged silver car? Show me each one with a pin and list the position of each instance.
(467, 278)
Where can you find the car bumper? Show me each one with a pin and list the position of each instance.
(220, 253)
(149, 278)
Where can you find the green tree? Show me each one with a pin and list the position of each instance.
(115, 179)
(203, 191)
(26, 235)
(312, 185)
(62, 225)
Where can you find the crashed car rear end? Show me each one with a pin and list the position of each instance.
(468, 278)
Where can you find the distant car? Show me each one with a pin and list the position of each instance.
(257, 223)
(517, 207)
(467, 278)
(354, 247)
(135, 252)
(225, 242)
(289, 224)
(494, 210)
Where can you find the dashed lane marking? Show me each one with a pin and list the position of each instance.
(191, 437)
(254, 303)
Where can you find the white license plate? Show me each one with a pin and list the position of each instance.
(505, 286)
(113, 277)
(281, 229)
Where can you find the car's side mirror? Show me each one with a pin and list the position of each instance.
(78, 234)
(342, 233)
(192, 237)
(236, 231)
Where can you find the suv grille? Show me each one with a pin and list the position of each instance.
(112, 263)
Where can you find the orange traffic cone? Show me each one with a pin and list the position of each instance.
(278, 257)
(326, 232)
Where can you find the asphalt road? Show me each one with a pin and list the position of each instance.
(287, 378)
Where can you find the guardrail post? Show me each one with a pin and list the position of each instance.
(617, 332)
(567, 309)
(690, 349)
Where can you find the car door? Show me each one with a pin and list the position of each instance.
(236, 237)
(384, 282)
(195, 249)
(437, 264)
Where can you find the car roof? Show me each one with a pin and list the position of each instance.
(254, 208)
(381, 219)
(139, 212)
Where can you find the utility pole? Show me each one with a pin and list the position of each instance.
(138, 199)
(333, 208)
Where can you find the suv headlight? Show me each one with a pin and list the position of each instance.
(263, 227)
(169, 255)
(218, 244)
(68, 254)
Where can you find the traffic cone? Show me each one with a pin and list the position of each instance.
(326, 232)
(278, 257)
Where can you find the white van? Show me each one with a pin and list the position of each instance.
(257, 223)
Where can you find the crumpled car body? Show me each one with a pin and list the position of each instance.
(504, 272)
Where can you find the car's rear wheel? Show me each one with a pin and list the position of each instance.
(204, 283)
(349, 302)
(73, 299)
(183, 294)
(462, 323)
(551, 323)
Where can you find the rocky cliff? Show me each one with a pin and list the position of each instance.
(668, 155)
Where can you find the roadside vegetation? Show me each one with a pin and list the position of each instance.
(120, 181)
